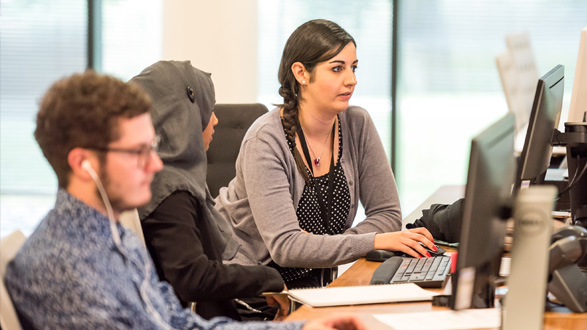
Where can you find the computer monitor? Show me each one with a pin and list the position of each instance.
(544, 119)
(578, 109)
(486, 209)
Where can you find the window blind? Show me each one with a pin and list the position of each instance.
(41, 41)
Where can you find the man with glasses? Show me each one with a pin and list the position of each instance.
(81, 269)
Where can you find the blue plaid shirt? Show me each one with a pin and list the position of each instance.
(70, 275)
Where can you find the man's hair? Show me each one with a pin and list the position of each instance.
(83, 110)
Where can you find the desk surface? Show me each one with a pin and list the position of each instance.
(361, 271)
(360, 274)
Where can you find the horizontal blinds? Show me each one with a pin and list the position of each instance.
(131, 33)
(41, 41)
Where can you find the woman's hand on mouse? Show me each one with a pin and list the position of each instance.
(407, 241)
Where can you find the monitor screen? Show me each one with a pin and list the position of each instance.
(544, 119)
(487, 198)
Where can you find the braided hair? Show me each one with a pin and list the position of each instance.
(311, 43)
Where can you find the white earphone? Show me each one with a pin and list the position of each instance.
(88, 167)
(116, 237)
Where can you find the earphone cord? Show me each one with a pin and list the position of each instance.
(117, 242)
(106, 201)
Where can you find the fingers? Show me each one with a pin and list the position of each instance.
(412, 242)
(271, 301)
(349, 322)
(282, 302)
(423, 231)
(411, 246)
(336, 322)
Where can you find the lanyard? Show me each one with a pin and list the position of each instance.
(324, 210)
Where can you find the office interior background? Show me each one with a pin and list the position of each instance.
(447, 86)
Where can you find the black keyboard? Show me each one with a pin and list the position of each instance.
(425, 272)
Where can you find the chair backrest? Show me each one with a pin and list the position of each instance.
(130, 219)
(9, 246)
(233, 122)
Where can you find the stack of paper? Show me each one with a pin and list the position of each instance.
(358, 295)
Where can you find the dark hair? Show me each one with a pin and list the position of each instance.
(83, 111)
(311, 43)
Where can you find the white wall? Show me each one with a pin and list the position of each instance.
(219, 37)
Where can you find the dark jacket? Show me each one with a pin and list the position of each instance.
(184, 255)
(443, 221)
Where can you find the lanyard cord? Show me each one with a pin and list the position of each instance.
(324, 209)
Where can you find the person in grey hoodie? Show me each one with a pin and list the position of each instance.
(183, 232)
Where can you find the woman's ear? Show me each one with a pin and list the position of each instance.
(300, 73)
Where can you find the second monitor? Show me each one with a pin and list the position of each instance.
(544, 119)
(486, 209)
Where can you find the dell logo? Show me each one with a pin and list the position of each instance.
(531, 222)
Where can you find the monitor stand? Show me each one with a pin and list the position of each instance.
(575, 140)
(524, 302)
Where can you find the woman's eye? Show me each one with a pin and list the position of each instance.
(337, 68)
(354, 68)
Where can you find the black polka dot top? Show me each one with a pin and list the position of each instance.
(309, 213)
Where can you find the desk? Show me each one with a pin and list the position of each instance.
(361, 271)
(360, 274)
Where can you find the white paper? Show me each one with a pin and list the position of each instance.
(443, 320)
(357, 295)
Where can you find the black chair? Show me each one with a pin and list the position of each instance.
(233, 122)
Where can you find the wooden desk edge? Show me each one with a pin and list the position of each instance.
(360, 274)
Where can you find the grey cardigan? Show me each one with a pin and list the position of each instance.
(261, 201)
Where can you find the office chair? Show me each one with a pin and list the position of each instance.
(130, 219)
(8, 249)
(233, 122)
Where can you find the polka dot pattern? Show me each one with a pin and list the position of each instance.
(309, 213)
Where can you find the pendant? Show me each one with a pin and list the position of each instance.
(317, 162)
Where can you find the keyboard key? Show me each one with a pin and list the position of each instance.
(426, 272)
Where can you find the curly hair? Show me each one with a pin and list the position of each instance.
(311, 43)
(83, 110)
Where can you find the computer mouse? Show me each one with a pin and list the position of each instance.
(439, 252)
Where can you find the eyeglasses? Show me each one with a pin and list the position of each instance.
(143, 153)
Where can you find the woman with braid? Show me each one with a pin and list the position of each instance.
(304, 166)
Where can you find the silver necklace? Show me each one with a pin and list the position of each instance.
(317, 160)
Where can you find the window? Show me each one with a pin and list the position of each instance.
(42, 41)
(449, 87)
(131, 33)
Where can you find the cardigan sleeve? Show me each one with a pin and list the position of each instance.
(185, 257)
(373, 175)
